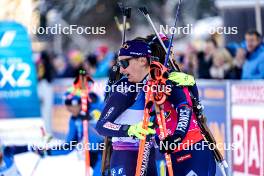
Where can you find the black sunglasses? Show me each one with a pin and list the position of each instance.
(125, 62)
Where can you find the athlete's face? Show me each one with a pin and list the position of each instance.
(134, 68)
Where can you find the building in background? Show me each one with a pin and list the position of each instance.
(243, 14)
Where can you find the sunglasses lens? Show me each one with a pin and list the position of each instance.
(124, 63)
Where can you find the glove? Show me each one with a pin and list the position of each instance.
(39, 151)
(95, 114)
(138, 131)
(181, 79)
(168, 145)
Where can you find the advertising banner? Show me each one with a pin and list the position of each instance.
(19, 103)
(18, 93)
(247, 127)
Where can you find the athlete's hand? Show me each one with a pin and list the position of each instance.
(168, 144)
(138, 131)
(39, 151)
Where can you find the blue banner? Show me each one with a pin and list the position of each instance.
(215, 97)
(18, 92)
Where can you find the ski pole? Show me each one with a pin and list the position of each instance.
(164, 134)
(43, 133)
(84, 106)
(146, 14)
(158, 75)
(172, 35)
(148, 104)
(126, 11)
(168, 52)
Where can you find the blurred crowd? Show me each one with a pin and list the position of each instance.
(244, 60)
(97, 63)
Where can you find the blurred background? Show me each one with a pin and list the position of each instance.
(224, 52)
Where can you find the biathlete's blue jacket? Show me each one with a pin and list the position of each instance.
(8, 167)
(75, 133)
(125, 108)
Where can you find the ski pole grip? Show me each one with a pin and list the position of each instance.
(143, 10)
(120, 4)
(128, 12)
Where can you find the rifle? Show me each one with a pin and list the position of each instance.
(201, 119)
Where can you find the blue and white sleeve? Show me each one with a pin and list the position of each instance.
(117, 103)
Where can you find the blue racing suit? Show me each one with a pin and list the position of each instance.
(192, 147)
(8, 166)
(124, 108)
(127, 108)
(75, 136)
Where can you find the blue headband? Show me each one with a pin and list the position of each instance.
(135, 48)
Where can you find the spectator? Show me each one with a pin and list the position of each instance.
(90, 64)
(236, 70)
(60, 66)
(45, 68)
(253, 67)
(205, 59)
(191, 62)
(222, 62)
(104, 60)
(76, 59)
(192, 65)
(45, 72)
(181, 61)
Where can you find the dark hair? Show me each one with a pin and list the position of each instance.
(49, 68)
(253, 32)
(157, 51)
(156, 48)
(91, 59)
(141, 39)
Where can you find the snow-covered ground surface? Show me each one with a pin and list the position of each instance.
(66, 165)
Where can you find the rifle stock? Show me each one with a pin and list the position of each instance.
(201, 119)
